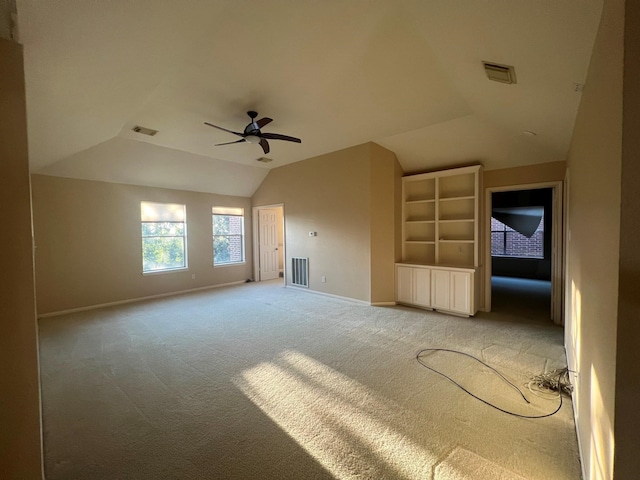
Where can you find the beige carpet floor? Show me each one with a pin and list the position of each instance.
(264, 382)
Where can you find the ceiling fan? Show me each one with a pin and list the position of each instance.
(252, 133)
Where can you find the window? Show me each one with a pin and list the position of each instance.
(508, 242)
(164, 235)
(228, 235)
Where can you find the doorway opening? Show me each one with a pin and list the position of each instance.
(524, 251)
(269, 243)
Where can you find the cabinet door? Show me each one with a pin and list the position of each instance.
(422, 287)
(440, 289)
(404, 284)
(461, 292)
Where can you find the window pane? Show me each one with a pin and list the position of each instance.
(157, 229)
(520, 246)
(497, 243)
(235, 225)
(220, 224)
(160, 253)
(163, 228)
(227, 224)
(228, 237)
(227, 249)
(515, 244)
(497, 225)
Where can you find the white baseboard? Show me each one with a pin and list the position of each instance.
(316, 292)
(137, 299)
(575, 421)
(573, 378)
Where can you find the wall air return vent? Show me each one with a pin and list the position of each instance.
(499, 73)
(300, 272)
(144, 130)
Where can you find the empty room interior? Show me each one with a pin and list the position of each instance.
(302, 240)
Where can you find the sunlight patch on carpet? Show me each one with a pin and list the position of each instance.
(462, 464)
(344, 425)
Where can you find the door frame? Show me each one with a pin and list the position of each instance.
(557, 245)
(255, 212)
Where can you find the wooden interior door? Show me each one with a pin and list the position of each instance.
(268, 225)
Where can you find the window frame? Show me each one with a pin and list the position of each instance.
(183, 222)
(228, 212)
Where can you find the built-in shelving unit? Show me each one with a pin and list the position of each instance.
(440, 217)
(440, 229)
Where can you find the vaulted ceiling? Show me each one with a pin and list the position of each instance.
(406, 74)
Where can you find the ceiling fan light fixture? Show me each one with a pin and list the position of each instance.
(252, 133)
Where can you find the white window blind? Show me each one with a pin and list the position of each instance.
(227, 211)
(162, 212)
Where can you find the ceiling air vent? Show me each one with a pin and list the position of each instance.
(144, 131)
(499, 73)
(264, 159)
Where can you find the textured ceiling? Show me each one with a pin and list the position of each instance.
(405, 74)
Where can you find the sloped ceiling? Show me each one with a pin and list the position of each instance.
(336, 73)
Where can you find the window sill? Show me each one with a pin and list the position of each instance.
(224, 265)
(517, 257)
(166, 270)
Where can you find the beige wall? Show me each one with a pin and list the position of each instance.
(594, 164)
(383, 210)
(529, 174)
(627, 420)
(506, 177)
(331, 195)
(88, 243)
(20, 436)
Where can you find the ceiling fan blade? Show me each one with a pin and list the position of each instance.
(229, 143)
(277, 136)
(265, 145)
(264, 121)
(223, 129)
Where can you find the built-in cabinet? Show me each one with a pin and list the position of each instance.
(437, 288)
(414, 285)
(440, 230)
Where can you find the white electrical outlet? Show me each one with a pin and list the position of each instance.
(324, 279)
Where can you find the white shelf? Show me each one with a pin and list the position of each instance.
(456, 220)
(431, 200)
(450, 199)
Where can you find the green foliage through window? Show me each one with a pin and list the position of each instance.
(164, 243)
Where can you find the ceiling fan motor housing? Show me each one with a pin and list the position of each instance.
(252, 133)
